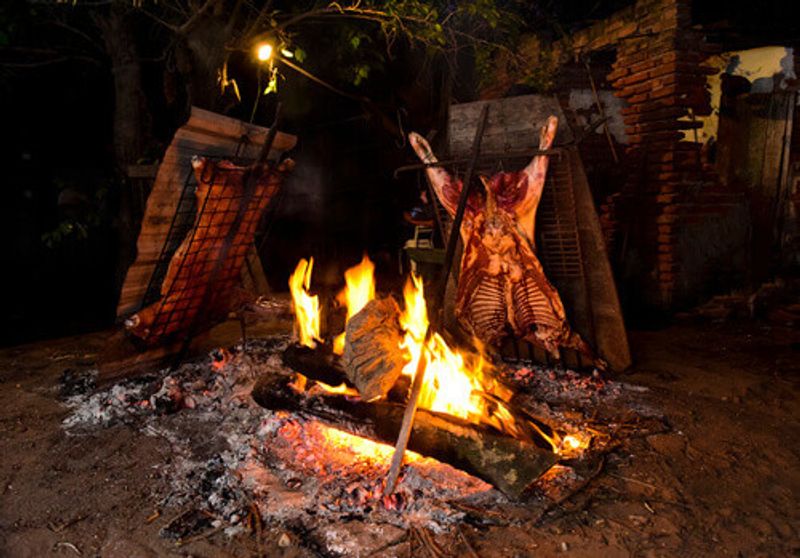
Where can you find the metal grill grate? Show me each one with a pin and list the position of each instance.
(213, 240)
(557, 227)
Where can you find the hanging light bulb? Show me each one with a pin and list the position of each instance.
(264, 52)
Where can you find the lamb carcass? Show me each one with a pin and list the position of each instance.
(502, 287)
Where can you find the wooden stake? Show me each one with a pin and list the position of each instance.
(602, 113)
(452, 240)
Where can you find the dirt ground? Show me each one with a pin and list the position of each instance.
(723, 481)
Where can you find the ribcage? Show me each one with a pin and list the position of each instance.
(485, 308)
(531, 307)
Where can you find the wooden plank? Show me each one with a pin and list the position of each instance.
(610, 336)
(514, 124)
(253, 277)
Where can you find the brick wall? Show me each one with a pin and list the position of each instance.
(673, 233)
(654, 227)
(597, 150)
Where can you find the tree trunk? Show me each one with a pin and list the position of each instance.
(132, 119)
(201, 55)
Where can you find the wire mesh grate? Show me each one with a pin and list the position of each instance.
(217, 220)
(557, 226)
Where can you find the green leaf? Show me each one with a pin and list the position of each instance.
(272, 86)
(300, 54)
(236, 90)
(355, 41)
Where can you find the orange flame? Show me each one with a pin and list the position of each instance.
(573, 445)
(453, 381)
(341, 389)
(358, 291)
(306, 307)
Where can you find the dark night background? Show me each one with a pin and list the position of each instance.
(58, 163)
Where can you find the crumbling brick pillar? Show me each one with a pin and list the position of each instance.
(659, 73)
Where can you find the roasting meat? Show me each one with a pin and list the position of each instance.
(502, 287)
(224, 228)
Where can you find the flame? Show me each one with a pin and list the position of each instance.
(358, 291)
(341, 389)
(306, 307)
(454, 382)
(299, 383)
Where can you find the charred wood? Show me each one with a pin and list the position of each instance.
(322, 365)
(509, 464)
(319, 364)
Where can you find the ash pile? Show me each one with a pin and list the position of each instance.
(236, 467)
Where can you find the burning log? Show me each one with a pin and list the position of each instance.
(509, 464)
(372, 358)
(319, 364)
(323, 365)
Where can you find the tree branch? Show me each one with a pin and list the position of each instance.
(196, 16)
(322, 82)
(91, 40)
(168, 25)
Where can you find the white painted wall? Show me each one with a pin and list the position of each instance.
(760, 66)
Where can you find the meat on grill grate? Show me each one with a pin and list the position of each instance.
(204, 271)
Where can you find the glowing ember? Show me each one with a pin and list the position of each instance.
(306, 307)
(220, 358)
(340, 442)
(573, 444)
(343, 447)
(299, 383)
(358, 291)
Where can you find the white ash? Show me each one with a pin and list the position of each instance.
(105, 407)
(226, 451)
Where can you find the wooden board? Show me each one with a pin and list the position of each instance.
(569, 239)
(513, 125)
(208, 134)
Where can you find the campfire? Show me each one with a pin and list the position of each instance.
(360, 378)
(253, 438)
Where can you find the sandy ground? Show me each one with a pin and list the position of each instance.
(723, 481)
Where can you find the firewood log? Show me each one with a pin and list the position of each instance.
(372, 358)
(319, 364)
(509, 464)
